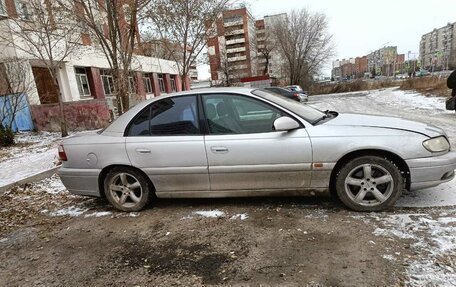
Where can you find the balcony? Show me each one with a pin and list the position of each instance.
(233, 23)
(235, 50)
(239, 58)
(235, 32)
(235, 41)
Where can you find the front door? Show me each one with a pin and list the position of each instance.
(164, 141)
(245, 152)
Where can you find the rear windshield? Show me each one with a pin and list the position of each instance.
(306, 112)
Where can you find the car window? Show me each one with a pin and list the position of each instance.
(306, 112)
(232, 114)
(140, 125)
(170, 116)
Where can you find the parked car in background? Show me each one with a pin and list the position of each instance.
(232, 142)
(297, 96)
(422, 73)
(298, 89)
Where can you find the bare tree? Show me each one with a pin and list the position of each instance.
(224, 68)
(17, 82)
(114, 25)
(266, 50)
(186, 22)
(305, 43)
(44, 33)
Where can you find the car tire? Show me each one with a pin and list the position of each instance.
(127, 189)
(369, 183)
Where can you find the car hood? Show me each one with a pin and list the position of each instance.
(385, 122)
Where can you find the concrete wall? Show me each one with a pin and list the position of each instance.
(81, 115)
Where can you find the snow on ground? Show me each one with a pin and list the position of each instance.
(210, 214)
(433, 243)
(33, 153)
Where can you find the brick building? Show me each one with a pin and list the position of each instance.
(361, 66)
(232, 47)
(86, 74)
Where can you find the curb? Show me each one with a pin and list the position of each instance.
(33, 178)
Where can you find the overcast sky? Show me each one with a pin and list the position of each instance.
(362, 26)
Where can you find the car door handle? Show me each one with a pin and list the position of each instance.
(142, 150)
(219, 149)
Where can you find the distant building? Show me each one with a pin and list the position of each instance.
(276, 67)
(383, 57)
(361, 66)
(241, 47)
(344, 69)
(232, 48)
(438, 48)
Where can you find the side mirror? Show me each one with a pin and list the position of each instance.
(285, 124)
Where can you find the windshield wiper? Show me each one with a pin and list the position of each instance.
(324, 117)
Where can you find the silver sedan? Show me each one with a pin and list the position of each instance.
(236, 142)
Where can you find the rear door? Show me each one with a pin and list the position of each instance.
(165, 141)
(245, 153)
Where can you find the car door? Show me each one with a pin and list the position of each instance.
(244, 151)
(165, 141)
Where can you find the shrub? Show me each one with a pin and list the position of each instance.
(6, 136)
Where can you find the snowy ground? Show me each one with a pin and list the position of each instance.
(32, 154)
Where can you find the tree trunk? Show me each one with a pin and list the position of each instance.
(63, 124)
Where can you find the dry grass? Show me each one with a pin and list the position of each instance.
(352, 86)
(429, 86)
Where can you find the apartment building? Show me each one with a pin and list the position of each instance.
(377, 59)
(232, 47)
(438, 48)
(276, 67)
(85, 76)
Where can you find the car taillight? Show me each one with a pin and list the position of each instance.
(62, 154)
(296, 95)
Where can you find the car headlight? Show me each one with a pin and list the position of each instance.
(438, 144)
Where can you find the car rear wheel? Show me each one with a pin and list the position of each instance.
(369, 183)
(126, 189)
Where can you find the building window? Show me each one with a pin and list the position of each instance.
(131, 85)
(161, 83)
(83, 82)
(108, 82)
(147, 84)
(23, 9)
(173, 85)
(2, 8)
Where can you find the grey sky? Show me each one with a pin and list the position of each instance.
(363, 26)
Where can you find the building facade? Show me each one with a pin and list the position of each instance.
(438, 48)
(232, 47)
(86, 74)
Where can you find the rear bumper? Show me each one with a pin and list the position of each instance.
(431, 171)
(80, 181)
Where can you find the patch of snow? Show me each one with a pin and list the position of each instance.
(98, 214)
(442, 195)
(241, 216)
(389, 257)
(433, 240)
(210, 214)
(72, 211)
(52, 185)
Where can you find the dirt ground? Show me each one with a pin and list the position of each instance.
(51, 238)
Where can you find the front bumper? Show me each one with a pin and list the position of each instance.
(431, 171)
(80, 181)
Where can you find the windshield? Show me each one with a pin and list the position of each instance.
(308, 113)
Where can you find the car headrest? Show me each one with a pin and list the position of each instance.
(210, 111)
(221, 109)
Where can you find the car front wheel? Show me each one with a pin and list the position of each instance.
(126, 189)
(369, 183)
